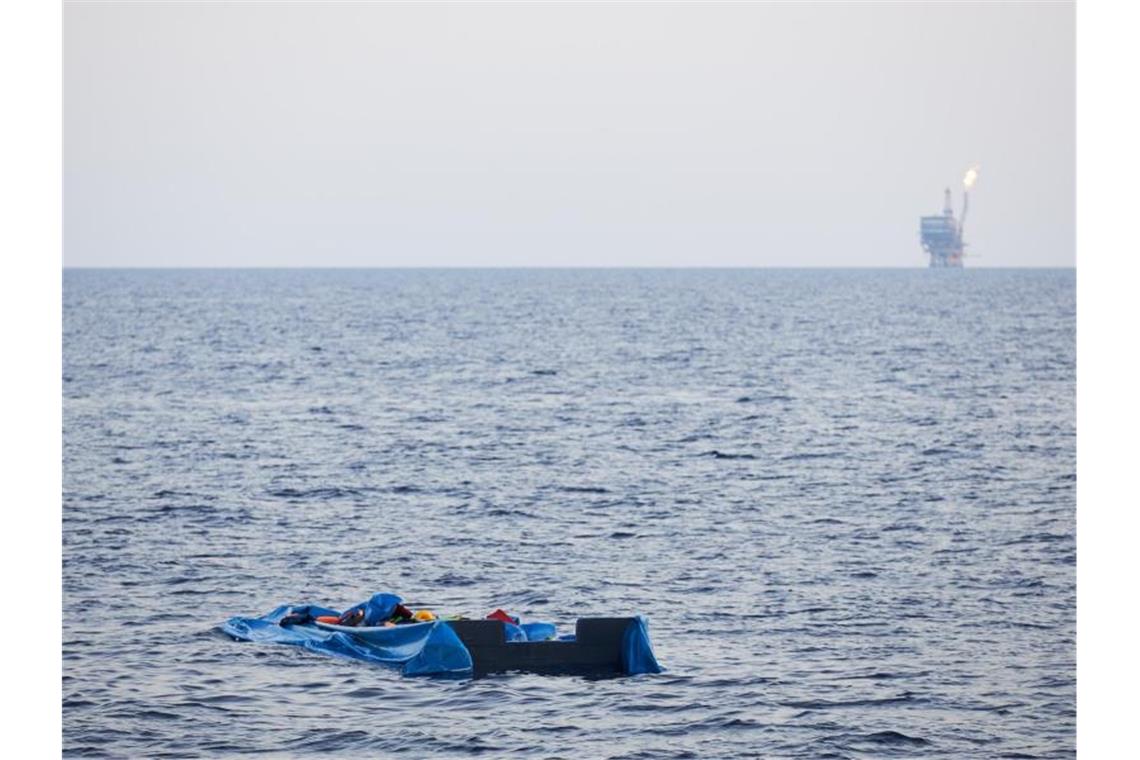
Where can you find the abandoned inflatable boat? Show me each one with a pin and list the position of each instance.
(383, 631)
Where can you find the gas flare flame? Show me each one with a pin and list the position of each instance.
(971, 177)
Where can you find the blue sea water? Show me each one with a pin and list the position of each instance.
(844, 499)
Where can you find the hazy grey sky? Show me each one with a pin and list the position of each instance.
(542, 134)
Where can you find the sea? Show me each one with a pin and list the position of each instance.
(843, 499)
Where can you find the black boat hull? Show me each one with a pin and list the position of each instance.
(595, 651)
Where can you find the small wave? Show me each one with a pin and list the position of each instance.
(804, 456)
(170, 509)
(1034, 538)
(715, 454)
(884, 676)
(823, 704)
(453, 579)
(315, 493)
(167, 493)
(504, 512)
(904, 526)
(895, 739)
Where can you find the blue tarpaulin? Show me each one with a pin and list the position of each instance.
(428, 648)
(419, 649)
(636, 651)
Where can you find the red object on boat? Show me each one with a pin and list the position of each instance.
(503, 617)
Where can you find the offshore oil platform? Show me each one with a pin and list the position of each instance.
(942, 234)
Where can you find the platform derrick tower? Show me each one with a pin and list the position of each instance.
(942, 234)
